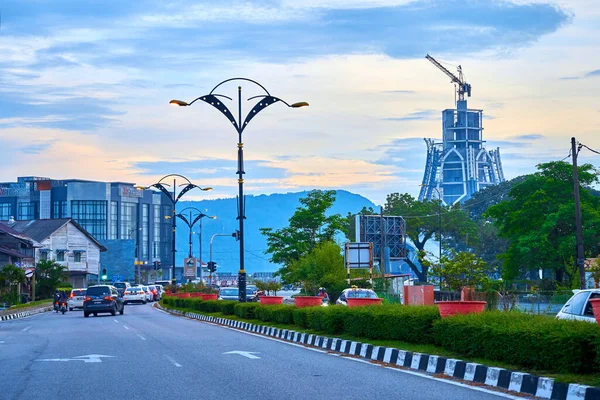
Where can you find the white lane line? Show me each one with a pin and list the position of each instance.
(26, 328)
(173, 361)
(1, 341)
(126, 327)
(141, 337)
(116, 321)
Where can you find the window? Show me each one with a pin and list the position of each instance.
(145, 230)
(114, 220)
(27, 210)
(575, 304)
(5, 209)
(77, 256)
(156, 233)
(43, 255)
(60, 255)
(128, 221)
(91, 215)
(59, 209)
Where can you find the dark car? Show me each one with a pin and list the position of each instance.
(121, 286)
(232, 293)
(103, 299)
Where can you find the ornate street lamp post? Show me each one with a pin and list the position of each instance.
(174, 197)
(264, 100)
(190, 223)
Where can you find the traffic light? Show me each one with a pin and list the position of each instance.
(236, 235)
(104, 274)
(212, 266)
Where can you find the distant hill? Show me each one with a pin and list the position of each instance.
(264, 211)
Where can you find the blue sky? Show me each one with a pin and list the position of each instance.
(85, 87)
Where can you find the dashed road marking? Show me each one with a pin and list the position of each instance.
(26, 328)
(141, 337)
(126, 327)
(173, 361)
(116, 321)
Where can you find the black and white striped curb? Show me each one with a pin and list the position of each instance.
(545, 388)
(24, 314)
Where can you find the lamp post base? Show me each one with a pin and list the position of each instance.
(174, 285)
(242, 285)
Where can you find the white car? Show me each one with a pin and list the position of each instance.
(578, 307)
(76, 299)
(135, 294)
(149, 294)
(355, 293)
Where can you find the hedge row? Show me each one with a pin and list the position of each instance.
(526, 341)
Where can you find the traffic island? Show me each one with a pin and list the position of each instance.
(23, 312)
(443, 367)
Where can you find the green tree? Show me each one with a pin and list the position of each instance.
(349, 223)
(49, 275)
(10, 276)
(422, 224)
(462, 270)
(322, 266)
(309, 226)
(538, 219)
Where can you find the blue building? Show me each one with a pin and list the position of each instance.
(129, 222)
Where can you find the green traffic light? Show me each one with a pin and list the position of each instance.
(104, 277)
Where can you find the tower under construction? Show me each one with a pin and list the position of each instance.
(459, 165)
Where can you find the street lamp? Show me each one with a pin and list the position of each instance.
(264, 101)
(190, 223)
(439, 225)
(174, 198)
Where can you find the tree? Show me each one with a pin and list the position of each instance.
(308, 227)
(10, 275)
(49, 275)
(322, 266)
(538, 219)
(462, 270)
(349, 223)
(422, 224)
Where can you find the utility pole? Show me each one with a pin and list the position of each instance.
(578, 227)
(382, 247)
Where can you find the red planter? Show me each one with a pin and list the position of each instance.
(182, 295)
(363, 302)
(596, 307)
(196, 295)
(168, 292)
(271, 299)
(208, 296)
(308, 301)
(449, 308)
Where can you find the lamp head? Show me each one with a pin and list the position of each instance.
(141, 187)
(206, 189)
(212, 216)
(299, 104)
(178, 103)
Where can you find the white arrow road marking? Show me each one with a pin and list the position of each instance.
(141, 337)
(173, 361)
(90, 358)
(247, 354)
(1, 341)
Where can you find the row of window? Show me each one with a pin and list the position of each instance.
(61, 255)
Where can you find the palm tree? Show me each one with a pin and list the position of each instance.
(49, 275)
(10, 275)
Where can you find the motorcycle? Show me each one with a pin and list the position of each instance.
(56, 306)
(63, 307)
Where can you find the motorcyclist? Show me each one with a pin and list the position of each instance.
(63, 298)
(56, 300)
(323, 294)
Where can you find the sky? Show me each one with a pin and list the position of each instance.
(85, 88)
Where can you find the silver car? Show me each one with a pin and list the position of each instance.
(355, 293)
(578, 307)
(76, 299)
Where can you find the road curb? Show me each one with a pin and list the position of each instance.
(519, 382)
(24, 314)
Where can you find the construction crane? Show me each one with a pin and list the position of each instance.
(462, 87)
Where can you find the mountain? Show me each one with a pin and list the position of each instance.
(263, 211)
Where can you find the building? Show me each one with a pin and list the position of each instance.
(460, 165)
(16, 248)
(66, 242)
(130, 223)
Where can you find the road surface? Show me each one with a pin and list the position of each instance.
(149, 354)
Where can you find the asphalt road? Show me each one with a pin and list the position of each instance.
(153, 355)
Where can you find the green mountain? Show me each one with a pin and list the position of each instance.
(263, 211)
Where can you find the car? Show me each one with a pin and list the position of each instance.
(232, 293)
(160, 290)
(102, 299)
(76, 299)
(155, 293)
(578, 307)
(135, 294)
(355, 293)
(121, 286)
(251, 293)
(149, 295)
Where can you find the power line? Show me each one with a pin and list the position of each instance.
(592, 150)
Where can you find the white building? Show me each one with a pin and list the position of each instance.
(66, 242)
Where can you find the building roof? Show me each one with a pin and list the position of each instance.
(10, 252)
(6, 228)
(40, 229)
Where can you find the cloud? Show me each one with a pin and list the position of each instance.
(35, 148)
(416, 116)
(399, 92)
(593, 73)
(532, 136)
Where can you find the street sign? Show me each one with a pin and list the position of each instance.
(358, 255)
(29, 272)
(118, 278)
(189, 268)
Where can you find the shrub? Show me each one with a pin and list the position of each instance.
(531, 341)
(227, 306)
(210, 306)
(281, 314)
(245, 310)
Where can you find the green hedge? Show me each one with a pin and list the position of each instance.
(524, 340)
(531, 341)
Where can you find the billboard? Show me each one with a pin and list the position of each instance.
(189, 268)
(386, 230)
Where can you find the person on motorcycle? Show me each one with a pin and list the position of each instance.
(63, 298)
(56, 300)
(323, 294)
